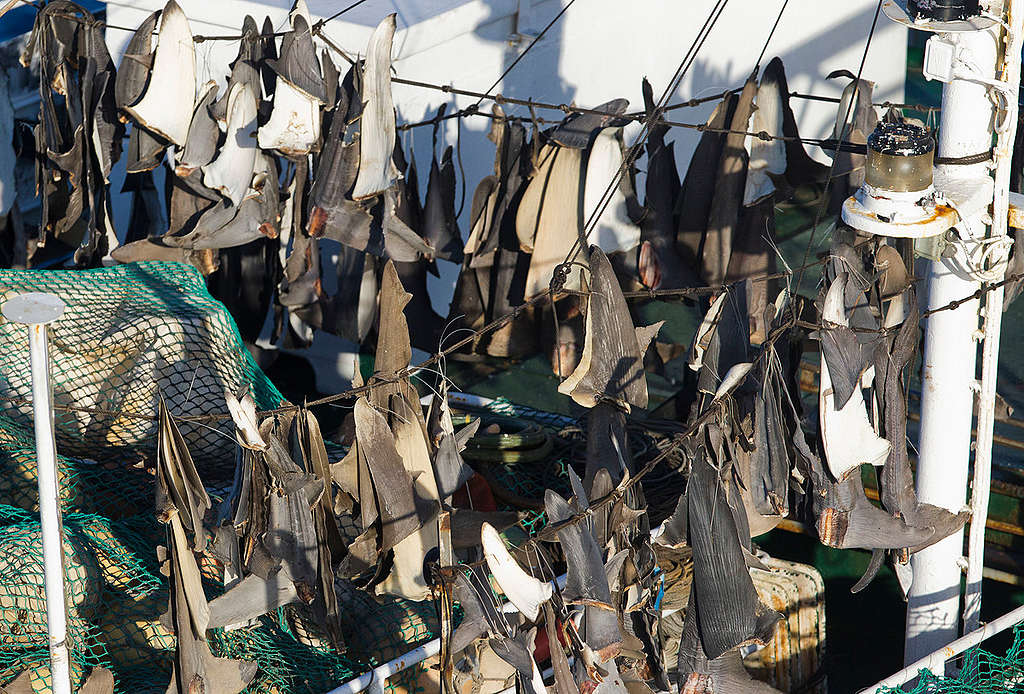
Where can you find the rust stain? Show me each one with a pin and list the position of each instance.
(317, 221)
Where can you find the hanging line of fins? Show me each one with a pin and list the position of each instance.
(294, 153)
(749, 465)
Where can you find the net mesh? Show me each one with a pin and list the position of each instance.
(129, 335)
(981, 672)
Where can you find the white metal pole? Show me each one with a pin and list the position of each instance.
(993, 318)
(950, 354)
(36, 311)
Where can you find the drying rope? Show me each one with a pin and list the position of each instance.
(377, 381)
(550, 532)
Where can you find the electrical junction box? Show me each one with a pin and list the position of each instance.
(939, 59)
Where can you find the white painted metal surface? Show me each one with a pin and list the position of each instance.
(949, 367)
(935, 660)
(992, 322)
(36, 311)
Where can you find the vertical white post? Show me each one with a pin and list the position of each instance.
(950, 354)
(37, 311)
(993, 317)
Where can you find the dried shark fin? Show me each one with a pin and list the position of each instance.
(727, 200)
(697, 674)
(767, 159)
(195, 668)
(178, 502)
(145, 150)
(201, 143)
(166, 105)
(332, 213)
(242, 409)
(577, 129)
(452, 472)
(231, 172)
(291, 534)
(897, 481)
(440, 227)
(847, 170)
(607, 444)
(252, 597)
(153, 249)
(294, 125)
(227, 226)
(548, 218)
(180, 490)
(564, 681)
(133, 72)
(309, 448)
(660, 265)
(698, 189)
(147, 218)
(672, 531)
(847, 435)
(515, 653)
(523, 590)
(613, 230)
(729, 612)
(407, 578)
(394, 352)
(586, 583)
(425, 325)
(612, 364)
(479, 615)
(245, 68)
(298, 64)
(801, 169)
(848, 520)
(391, 482)
(377, 127)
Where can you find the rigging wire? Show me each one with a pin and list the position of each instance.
(842, 135)
(522, 55)
(562, 271)
(688, 60)
(757, 65)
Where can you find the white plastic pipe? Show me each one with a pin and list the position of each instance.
(36, 311)
(992, 322)
(935, 660)
(950, 354)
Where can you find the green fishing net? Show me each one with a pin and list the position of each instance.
(129, 335)
(980, 672)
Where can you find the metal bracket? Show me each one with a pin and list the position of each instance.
(521, 29)
(955, 199)
(896, 10)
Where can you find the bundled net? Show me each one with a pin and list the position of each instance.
(981, 672)
(129, 335)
